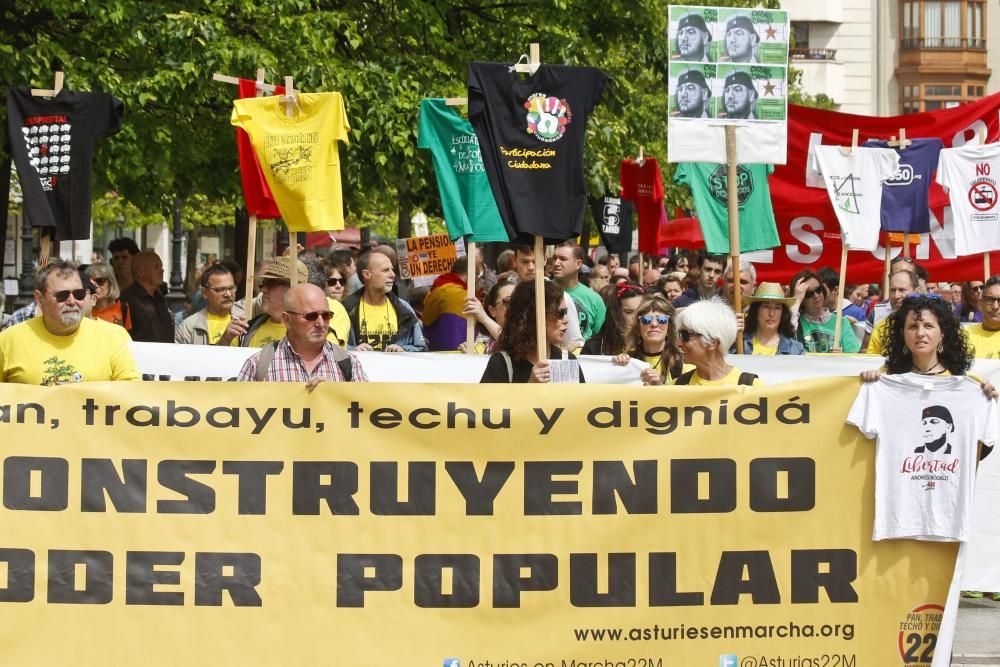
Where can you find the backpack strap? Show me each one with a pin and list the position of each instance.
(685, 378)
(343, 360)
(747, 378)
(264, 360)
(510, 367)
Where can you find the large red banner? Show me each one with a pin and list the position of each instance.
(807, 225)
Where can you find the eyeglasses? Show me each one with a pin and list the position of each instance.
(100, 282)
(270, 283)
(314, 315)
(561, 313)
(63, 295)
(813, 292)
(978, 288)
(223, 289)
(991, 300)
(686, 335)
(330, 282)
(648, 319)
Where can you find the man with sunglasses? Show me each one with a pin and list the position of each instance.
(63, 344)
(305, 353)
(221, 321)
(985, 336)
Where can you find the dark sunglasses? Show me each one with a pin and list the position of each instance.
(991, 300)
(330, 282)
(314, 315)
(63, 295)
(561, 313)
(686, 335)
(813, 292)
(648, 319)
(269, 283)
(978, 288)
(100, 281)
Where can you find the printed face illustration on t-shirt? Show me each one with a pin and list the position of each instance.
(547, 117)
(937, 426)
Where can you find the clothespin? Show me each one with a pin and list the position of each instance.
(290, 98)
(854, 143)
(641, 160)
(58, 86)
(902, 143)
(533, 58)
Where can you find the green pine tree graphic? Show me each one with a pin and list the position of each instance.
(58, 371)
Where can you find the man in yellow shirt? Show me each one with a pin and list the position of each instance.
(985, 336)
(63, 346)
(268, 326)
(902, 282)
(221, 322)
(379, 319)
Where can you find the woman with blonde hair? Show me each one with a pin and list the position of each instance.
(651, 339)
(108, 306)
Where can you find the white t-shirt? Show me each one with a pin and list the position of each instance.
(854, 183)
(970, 173)
(925, 461)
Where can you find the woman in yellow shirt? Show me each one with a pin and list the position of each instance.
(706, 330)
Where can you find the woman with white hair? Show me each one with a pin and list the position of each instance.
(706, 330)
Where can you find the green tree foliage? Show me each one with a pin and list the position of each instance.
(383, 55)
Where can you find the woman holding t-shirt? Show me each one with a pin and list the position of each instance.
(516, 357)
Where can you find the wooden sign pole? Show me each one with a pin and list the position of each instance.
(541, 344)
(885, 269)
(45, 249)
(293, 240)
(732, 198)
(470, 281)
(843, 262)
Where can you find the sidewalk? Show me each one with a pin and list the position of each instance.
(977, 635)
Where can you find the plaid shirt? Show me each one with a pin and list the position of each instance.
(21, 315)
(287, 366)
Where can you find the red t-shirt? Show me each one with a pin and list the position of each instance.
(643, 186)
(255, 191)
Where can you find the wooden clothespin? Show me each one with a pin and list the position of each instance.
(58, 86)
(290, 99)
(854, 143)
(641, 159)
(902, 142)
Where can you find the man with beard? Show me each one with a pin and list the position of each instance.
(221, 322)
(739, 96)
(64, 345)
(741, 40)
(937, 425)
(692, 94)
(693, 39)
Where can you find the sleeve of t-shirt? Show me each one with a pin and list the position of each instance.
(108, 114)
(240, 117)
(600, 79)
(681, 174)
(625, 180)
(475, 91)
(990, 433)
(424, 128)
(340, 118)
(496, 371)
(657, 182)
(866, 413)
(888, 164)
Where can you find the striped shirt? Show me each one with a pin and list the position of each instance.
(287, 366)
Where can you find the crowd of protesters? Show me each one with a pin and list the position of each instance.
(673, 312)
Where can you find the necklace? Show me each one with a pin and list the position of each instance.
(929, 371)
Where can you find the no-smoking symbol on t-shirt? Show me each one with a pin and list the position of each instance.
(983, 193)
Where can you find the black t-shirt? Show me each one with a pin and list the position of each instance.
(613, 216)
(531, 133)
(52, 141)
(496, 368)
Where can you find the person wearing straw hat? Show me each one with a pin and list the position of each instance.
(769, 329)
(269, 327)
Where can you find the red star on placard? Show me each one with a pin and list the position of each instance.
(771, 33)
(769, 88)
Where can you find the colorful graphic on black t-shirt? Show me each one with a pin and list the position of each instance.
(547, 117)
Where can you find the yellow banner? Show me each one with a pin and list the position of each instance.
(434, 525)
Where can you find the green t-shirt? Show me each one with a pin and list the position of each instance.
(466, 198)
(590, 307)
(708, 187)
(818, 336)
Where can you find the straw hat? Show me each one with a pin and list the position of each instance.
(769, 293)
(280, 268)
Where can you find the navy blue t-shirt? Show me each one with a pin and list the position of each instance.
(905, 206)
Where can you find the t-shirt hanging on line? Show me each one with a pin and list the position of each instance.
(256, 193)
(928, 429)
(642, 184)
(854, 183)
(613, 217)
(531, 132)
(52, 140)
(970, 173)
(905, 196)
(708, 183)
(299, 155)
(470, 211)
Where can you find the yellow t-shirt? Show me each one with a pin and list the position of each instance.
(763, 350)
(299, 155)
(986, 343)
(876, 340)
(217, 326)
(267, 333)
(732, 377)
(29, 354)
(377, 325)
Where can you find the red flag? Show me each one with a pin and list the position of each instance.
(256, 193)
(807, 226)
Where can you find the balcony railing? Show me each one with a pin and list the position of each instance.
(942, 43)
(813, 54)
